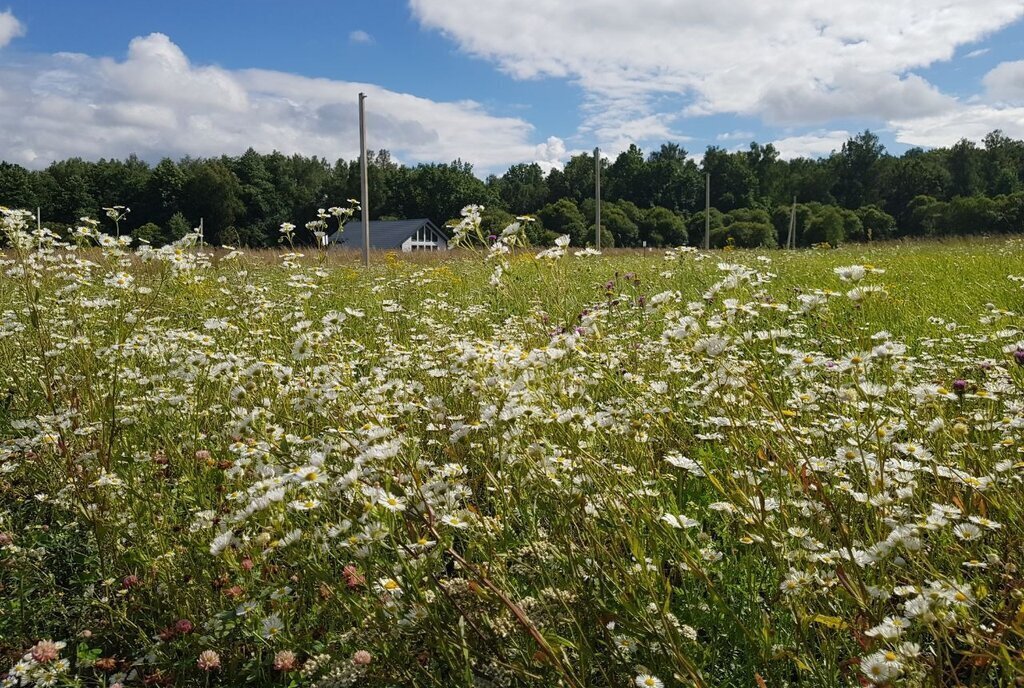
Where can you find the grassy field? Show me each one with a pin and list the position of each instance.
(496, 469)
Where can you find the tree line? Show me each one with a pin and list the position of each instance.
(858, 193)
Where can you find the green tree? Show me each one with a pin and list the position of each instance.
(212, 192)
(661, 227)
(858, 170)
(177, 227)
(733, 183)
(964, 163)
(523, 189)
(826, 226)
(563, 217)
(876, 223)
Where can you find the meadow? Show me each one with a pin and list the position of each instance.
(510, 466)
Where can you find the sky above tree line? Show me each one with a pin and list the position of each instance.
(500, 82)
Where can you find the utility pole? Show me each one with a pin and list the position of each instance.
(39, 219)
(707, 211)
(364, 202)
(597, 198)
(791, 239)
(202, 234)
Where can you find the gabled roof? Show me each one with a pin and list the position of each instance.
(384, 234)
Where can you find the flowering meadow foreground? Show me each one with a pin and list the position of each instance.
(510, 469)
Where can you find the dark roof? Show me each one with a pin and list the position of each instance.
(384, 234)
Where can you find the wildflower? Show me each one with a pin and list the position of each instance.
(285, 660)
(272, 626)
(879, 668)
(648, 681)
(680, 521)
(967, 531)
(208, 660)
(388, 586)
(183, 626)
(46, 651)
(361, 658)
(353, 579)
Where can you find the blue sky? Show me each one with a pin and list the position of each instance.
(501, 81)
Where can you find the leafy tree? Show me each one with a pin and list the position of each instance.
(695, 226)
(661, 227)
(149, 233)
(674, 181)
(826, 226)
(16, 187)
(744, 235)
(733, 183)
(523, 189)
(876, 223)
(563, 217)
(858, 170)
(212, 193)
(627, 178)
(964, 162)
(616, 222)
(177, 227)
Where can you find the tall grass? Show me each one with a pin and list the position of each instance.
(706, 469)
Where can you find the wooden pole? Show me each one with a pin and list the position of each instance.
(707, 211)
(597, 198)
(364, 201)
(791, 239)
(202, 234)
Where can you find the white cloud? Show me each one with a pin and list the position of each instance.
(10, 28)
(801, 62)
(551, 154)
(968, 121)
(360, 36)
(811, 145)
(977, 53)
(1001, 106)
(1005, 83)
(156, 102)
(738, 135)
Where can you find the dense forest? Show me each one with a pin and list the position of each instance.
(856, 194)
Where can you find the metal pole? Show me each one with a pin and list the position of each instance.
(39, 219)
(707, 211)
(202, 234)
(597, 198)
(364, 202)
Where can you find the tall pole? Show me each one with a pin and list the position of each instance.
(364, 201)
(597, 198)
(39, 219)
(202, 234)
(791, 239)
(707, 211)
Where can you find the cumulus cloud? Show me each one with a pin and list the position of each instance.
(10, 28)
(796, 63)
(360, 36)
(1005, 83)
(157, 102)
(811, 145)
(971, 121)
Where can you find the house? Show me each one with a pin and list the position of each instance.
(393, 235)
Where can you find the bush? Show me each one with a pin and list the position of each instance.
(151, 233)
(745, 235)
(826, 226)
